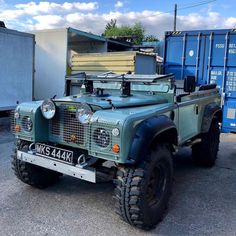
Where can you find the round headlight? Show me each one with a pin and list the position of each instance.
(27, 123)
(84, 113)
(101, 137)
(48, 109)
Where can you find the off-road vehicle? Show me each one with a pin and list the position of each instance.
(124, 126)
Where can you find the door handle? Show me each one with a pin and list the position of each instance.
(196, 109)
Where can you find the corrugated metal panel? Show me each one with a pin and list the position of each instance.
(118, 62)
(210, 56)
(103, 62)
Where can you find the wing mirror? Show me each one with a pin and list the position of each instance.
(189, 84)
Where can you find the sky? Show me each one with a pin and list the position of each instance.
(92, 15)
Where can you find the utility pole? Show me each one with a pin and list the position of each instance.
(175, 17)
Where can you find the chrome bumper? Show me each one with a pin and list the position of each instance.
(88, 174)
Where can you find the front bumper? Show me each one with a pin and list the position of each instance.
(87, 174)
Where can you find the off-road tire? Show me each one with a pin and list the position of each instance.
(31, 174)
(205, 153)
(134, 187)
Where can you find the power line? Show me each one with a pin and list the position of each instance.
(187, 6)
(196, 4)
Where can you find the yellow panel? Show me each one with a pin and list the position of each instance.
(103, 58)
(103, 63)
(101, 72)
(121, 62)
(103, 68)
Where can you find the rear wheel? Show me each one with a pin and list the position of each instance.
(31, 174)
(142, 192)
(205, 152)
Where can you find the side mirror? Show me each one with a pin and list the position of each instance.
(189, 84)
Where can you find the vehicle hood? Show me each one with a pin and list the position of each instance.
(116, 101)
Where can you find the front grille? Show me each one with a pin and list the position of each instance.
(55, 124)
(73, 130)
(12, 121)
(66, 128)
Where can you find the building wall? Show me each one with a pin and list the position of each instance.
(50, 63)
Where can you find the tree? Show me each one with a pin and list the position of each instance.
(136, 32)
(110, 25)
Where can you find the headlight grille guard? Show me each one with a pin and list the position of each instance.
(65, 128)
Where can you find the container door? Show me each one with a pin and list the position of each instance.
(184, 55)
(190, 56)
(220, 68)
(216, 49)
(173, 56)
(229, 111)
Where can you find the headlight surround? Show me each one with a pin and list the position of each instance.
(101, 137)
(84, 113)
(27, 124)
(17, 115)
(48, 109)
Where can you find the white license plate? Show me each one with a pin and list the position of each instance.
(54, 153)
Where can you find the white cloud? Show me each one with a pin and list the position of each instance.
(8, 15)
(119, 4)
(33, 8)
(154, 22)
(47, 21)
(46, 15)
(231, 22)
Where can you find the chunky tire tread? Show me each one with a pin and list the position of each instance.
(129, 192)
(205, 153)
(32, 175)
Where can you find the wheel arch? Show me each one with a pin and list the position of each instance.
(212, 111)
(169, 135)
(155, 129)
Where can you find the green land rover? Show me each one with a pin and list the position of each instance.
(124, 126)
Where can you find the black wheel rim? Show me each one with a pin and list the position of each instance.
(156, 185)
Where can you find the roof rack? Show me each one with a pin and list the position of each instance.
(113, 77)
(125, 79)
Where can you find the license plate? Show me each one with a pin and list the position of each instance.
(54, 153)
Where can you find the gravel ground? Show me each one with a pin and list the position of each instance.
(203, 200)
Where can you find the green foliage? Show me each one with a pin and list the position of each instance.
(110, 25)
(136, 32)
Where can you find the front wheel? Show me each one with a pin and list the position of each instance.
(205, 153)
(33, 175)
(142, 192)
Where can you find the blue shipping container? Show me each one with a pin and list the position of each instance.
(210, 56)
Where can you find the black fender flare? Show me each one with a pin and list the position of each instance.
(148, 131)
(212, 110)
